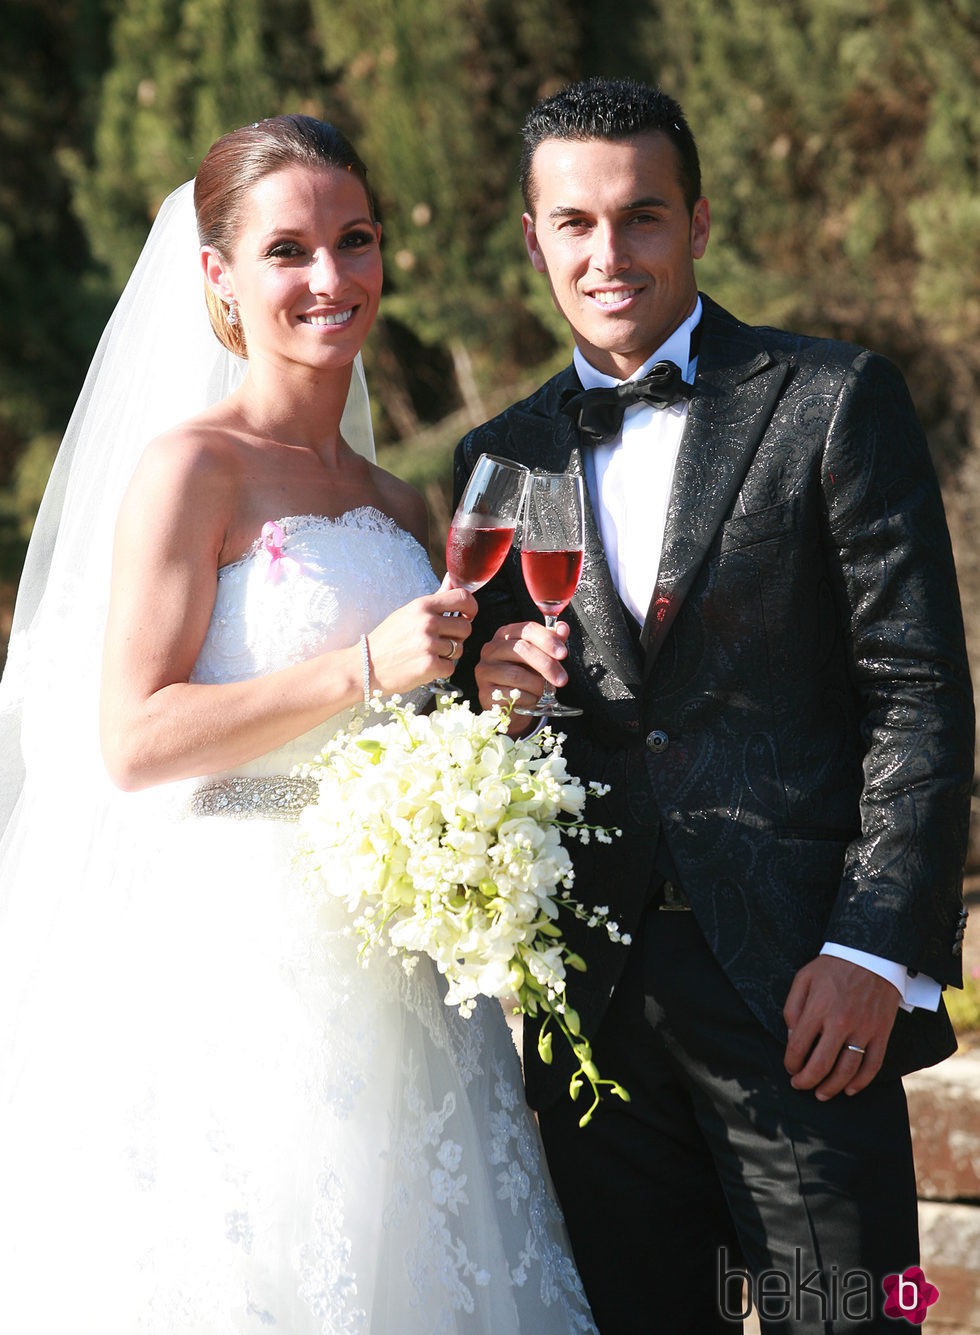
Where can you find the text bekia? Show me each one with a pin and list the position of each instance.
(780, 1295)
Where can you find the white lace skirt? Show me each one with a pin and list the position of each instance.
(212, 1119)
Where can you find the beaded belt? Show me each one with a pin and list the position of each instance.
(272, 797)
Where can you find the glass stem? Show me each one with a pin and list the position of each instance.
(548, 697)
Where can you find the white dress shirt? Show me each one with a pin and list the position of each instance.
(629, 480)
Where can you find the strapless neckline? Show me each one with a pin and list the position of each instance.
(291, 525)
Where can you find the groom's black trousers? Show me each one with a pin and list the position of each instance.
(718, 1164)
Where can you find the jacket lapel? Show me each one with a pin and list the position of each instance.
(737, 387)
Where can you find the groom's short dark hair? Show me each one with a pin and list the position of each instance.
(610, 109)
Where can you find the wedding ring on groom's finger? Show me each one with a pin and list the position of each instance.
(451, 656)
(853, 1047)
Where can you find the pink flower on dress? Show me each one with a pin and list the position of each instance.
(273, 540)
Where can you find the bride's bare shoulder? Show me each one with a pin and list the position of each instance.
(188, 480)
(200, 452)
(208, 440)
(405, 505)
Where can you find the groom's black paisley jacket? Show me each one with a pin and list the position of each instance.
(796, 720)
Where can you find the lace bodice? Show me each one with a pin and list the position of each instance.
(317, 584)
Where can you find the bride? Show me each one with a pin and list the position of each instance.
(211, 1118)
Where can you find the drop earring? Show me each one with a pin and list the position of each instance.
(233, 312)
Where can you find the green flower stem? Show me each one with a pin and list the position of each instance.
(532, 999)
(587, 1071)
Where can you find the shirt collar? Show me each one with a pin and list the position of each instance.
(677, 349)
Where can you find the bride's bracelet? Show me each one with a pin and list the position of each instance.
(366, 668)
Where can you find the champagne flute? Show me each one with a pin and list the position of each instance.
(552, 542)
(482, 529)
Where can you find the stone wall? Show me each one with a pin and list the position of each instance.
(944, 1104)
(944, 1108)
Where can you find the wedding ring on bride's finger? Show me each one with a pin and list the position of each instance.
(853, 1047)
(451, 656)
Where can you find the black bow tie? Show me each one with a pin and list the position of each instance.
(598, 413)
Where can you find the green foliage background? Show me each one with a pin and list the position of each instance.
(839, 140)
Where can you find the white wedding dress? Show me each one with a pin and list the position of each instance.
(213, 1121)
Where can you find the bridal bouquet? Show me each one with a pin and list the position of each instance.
(444, 837)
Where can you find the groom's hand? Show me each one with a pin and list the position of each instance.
(522, 656)
(834, 1009)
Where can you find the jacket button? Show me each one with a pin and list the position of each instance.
(658, 741)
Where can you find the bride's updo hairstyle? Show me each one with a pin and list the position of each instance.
(238, 161)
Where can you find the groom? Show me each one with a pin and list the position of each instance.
(768, 651)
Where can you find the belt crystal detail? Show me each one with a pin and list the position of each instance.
(272, 797)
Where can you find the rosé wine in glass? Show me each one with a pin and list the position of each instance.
(482, 529)
(552, 543)
(551, 578)
(475, 549)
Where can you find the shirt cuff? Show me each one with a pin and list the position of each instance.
(916, 991)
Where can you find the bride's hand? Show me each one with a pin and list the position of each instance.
(421, 641)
